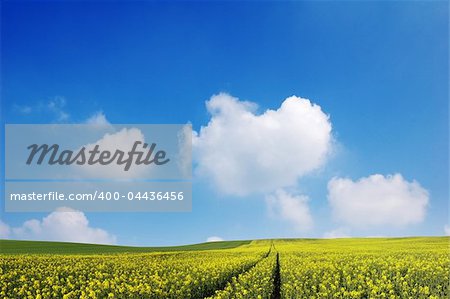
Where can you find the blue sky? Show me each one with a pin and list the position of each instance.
(379, 69)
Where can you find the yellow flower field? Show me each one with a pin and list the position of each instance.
(346, 268)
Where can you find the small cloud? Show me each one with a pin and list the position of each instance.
(447, 230)
(214, 239)
(336, 234)
(122, 140)
(377, 201)
(4, 230)
(97, 118)
(57, 106)
(54, 107)
(23, 109)
(65, 225)
(291, 208)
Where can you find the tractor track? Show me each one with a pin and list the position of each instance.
(246, 269)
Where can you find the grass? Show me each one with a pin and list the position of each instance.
(42, 247)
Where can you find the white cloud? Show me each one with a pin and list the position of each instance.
(23, 109)
(122, 140)
(214, 239)
(55, 107)
(377, 200)
(66, 225)
(244, 152)
(291, 208)
(98, 118)
(447, 230)
(4, 230)
(336, 233)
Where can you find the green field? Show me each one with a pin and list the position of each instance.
(36, 247)
(393, 268)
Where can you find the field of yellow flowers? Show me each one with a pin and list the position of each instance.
(352, 268)
(344, 268)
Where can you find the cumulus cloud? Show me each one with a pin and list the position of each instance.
(447, 230)
(291, 208)
(66, 225)
(377, 200)
(242, 151)
(336, 234)
(4, 230)
(214, 239)
(97, 118)
(122, 140)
